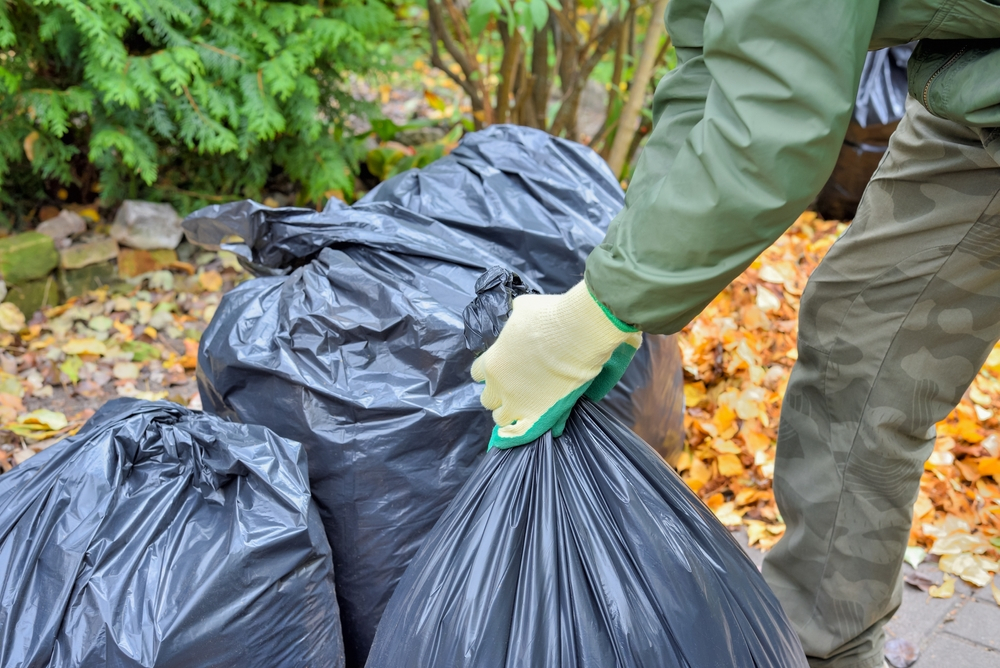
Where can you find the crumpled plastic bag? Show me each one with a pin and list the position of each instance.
(159, 536)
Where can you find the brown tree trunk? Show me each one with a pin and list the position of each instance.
(629, 121)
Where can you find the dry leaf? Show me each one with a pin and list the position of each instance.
(914, 555)
(957, 543)
(945, 590)
(972, 568)
(11, 318)
(210, 280)
(730, 466)
(86, 346)
(126, 371)
(44, 419)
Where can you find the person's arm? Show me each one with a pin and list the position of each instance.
(747, 130)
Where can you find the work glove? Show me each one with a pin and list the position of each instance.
(553, 350)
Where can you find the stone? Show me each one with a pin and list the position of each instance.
(75, 282)
(27, 257)
(147, 226)
(33, 296)
(134, 262)
(67, 224)
(78, 256)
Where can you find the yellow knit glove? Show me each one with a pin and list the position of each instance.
(553, 350)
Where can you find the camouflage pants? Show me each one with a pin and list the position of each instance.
(894, 325)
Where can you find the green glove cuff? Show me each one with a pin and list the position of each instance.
(555, 418)
(615, 320)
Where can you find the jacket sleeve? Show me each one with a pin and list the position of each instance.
(746, 131)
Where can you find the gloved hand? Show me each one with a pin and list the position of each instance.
(553, 350)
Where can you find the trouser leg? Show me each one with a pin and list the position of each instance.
(894, 325)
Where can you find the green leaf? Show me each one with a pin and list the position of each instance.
(539, 13)
(71, 367)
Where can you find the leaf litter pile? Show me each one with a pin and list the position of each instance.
(136, 338)
(140, 339)
(737, 358)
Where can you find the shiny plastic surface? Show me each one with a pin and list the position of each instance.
(577, 552)
(163, 537)
(359, 352)
(881, 97)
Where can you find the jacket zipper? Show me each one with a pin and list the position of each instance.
(947, 64)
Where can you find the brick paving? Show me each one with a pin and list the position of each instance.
(958, 632)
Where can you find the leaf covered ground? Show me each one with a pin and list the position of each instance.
(737, 358)
(135, 338)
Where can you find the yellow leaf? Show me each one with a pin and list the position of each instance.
(923, 506)
(434, 100)
(730, 466)
(989, 466)
(29, 145)
(980, 397)
(210, 280)
(44, 418)
(88, 346)
(970, 567)
(683, 462)
(724, 447)
(957, 543)
(698, 475)
(729, 515)
(126, 371)
(11, 318)
(694, 393)
(90, 213)
(945, 590)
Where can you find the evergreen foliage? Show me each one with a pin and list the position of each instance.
(186, 98)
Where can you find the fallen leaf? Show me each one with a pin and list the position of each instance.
(914, 555)
(11, 318)
(85, 346)
(100, 323)
(958, 542)
(125, 371)
(919, 580)
(45, 419)
(729, 515)
(945, 590)
(730, 465)
(71, 367)
(210, 281)
(901, 653)
(989, 466)
(972, 568)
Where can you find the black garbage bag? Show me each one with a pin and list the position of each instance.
(359, 351)
(159, 536)
(582, 551)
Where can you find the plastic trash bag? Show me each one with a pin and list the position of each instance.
(881, 98)
(577, 552)
(356, 347)
(158, 536)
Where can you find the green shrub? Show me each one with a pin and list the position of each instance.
(183, 99)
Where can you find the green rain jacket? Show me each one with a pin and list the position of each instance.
(748, 127)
